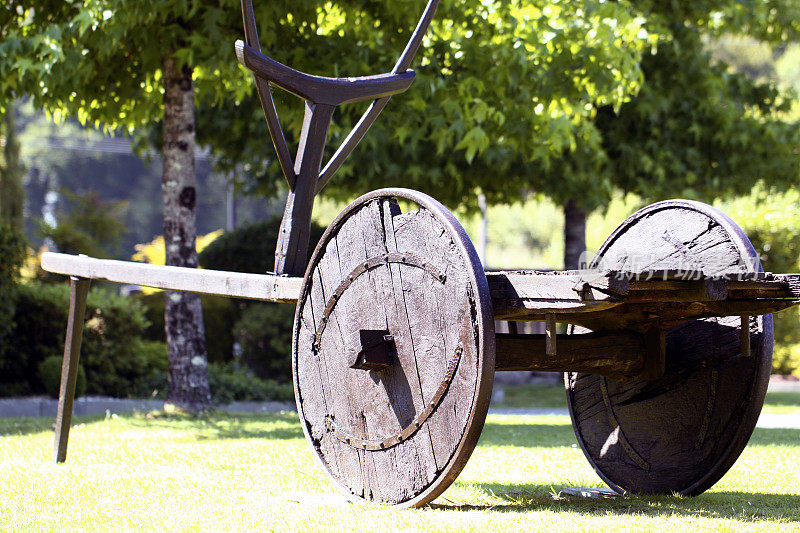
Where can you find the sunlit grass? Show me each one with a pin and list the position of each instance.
(256, 473)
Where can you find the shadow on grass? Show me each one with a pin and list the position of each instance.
(219, 425)
(210, 426)
(46, 424)
(745, 506)
(535, 435)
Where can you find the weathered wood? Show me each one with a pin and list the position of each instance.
(265, 96)
(400, 434)
(655, 340)
(320, 89)
(580, 297)
(744, 336)
(682, 430)
(322, 96)
(235, 284)
(550, 335)
(614, 354)
(78, 290)
(291, 251)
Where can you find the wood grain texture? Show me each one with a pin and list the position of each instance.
(78, 290)
(265, 96)
(291, 250)
(320, 89)
(615, 354)
(682, 431)
(235, 284)
(585, 297)
(437, 314)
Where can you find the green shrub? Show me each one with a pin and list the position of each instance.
(114, 355)
(772, 222)
(12, 253)
(50, 377)
(249, 248)
(152, 383)
(229, 384)
(219, 316)
(264, 333)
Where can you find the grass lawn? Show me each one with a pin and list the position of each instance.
(548, 396)
(255, 472)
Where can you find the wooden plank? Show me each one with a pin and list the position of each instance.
(235, 284)
(410, 311)
(589, 285)
(572, 296)
(614, 354)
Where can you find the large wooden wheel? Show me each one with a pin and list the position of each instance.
(393, 349)
(681, 432)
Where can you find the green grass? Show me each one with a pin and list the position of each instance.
(256, 473)
(553, 397)
(782, 403)
(533, 396)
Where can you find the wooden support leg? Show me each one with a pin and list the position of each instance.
(78, 289)
(745, 336)
(550, 332)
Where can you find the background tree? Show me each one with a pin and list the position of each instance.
(89, 225)
(120, 64)
(511, 97)
(573, 100)
(12, 172)
(695, 129)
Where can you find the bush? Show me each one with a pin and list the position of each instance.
(264, 333)
(249, 248)
(229, 384)
(12, 254)
(50, 377)
(772, 222)
(114, 355)
(219, 316)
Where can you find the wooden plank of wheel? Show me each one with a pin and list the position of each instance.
(680, 432)
(393, 349)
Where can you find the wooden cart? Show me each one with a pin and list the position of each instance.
(394, 350)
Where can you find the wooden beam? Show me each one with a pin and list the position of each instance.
(78, 290)
(614, 354)
(575, 295)
(235, 284)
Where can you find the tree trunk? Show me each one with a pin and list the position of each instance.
(188, 364)
(574, 235)
(12, 191)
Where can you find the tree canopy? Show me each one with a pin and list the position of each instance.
(573, 100)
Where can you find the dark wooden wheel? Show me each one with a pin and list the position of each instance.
(681, 432)
(393, 349)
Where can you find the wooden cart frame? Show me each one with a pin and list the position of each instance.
(394, 350)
